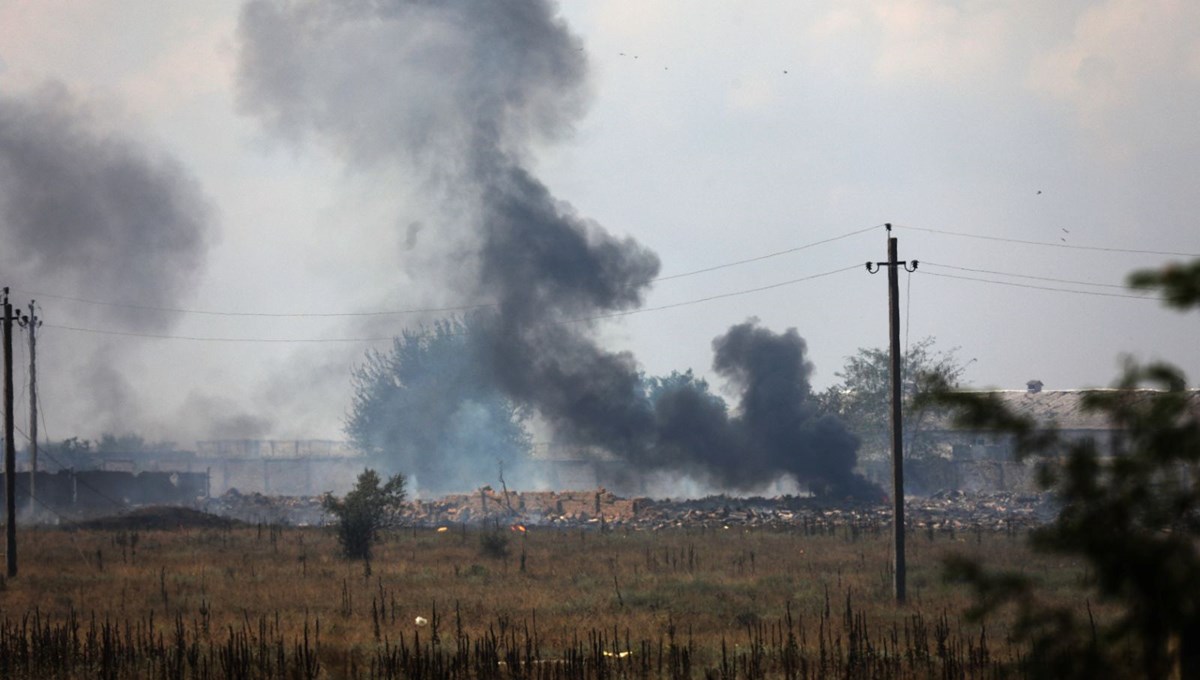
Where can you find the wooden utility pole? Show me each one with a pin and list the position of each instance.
(10, 463)
(897, 422)
(34, 322)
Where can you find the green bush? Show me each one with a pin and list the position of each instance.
(493, 543)
(368, 508)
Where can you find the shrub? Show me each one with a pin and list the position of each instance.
(366, 509)
(493, 543)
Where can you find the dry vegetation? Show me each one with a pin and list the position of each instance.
(278, 602)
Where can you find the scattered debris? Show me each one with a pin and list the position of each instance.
(600, 509)
(256, 508)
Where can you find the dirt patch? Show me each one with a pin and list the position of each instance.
(158, 517)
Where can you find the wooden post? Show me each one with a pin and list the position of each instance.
(34, 322)
(896, 376)
(897, 422)
(10, 465)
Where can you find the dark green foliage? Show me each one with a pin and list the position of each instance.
(1130, 511)
(429, 407)
(1180, 283)
(365, 510)
(493, 543)
(863, 397)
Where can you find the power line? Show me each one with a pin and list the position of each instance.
(596, 317)
(418, 310)
(157, 336)
(277, 315)
(1024, 276)
(722, 296)
(768, 255)
(1034, 287)
(1049, 243)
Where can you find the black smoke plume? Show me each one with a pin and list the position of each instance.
(778, 429)
(462, 90)
(84, 208)
(88, 210)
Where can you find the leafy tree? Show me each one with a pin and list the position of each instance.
(1133, 517)
(863, 397)
(656, 386)
(366, 509)
(429, 407)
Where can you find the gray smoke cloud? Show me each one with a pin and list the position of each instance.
(462, 90)
(86, 210)
(83, 208)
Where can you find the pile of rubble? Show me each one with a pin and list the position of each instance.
(949, 511)
(944, 511)
(552, 508)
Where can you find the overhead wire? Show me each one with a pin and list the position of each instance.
(1024, 276)
(1015, 284)
(276, 315)
(768, 255)
(418, 310)
(584, 319)
(1050, 244)
(722, 296)
(735, 263)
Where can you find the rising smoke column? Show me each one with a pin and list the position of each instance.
(462, 90)
(87, 210)
(776, 430)
(781, 425)
(84, 209)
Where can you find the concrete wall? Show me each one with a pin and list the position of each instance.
(285, 476)
(90, 492)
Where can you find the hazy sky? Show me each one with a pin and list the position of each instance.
(712, 132)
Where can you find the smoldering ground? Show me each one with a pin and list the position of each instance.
(459, 93)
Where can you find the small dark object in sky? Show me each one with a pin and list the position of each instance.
(1066, 231)
(785, 71)
(1039, 192)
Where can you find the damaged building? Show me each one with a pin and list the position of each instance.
(985, 461)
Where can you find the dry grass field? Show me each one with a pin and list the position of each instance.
(264, 602)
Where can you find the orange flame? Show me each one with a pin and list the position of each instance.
(518, 527)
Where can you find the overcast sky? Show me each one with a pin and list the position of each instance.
(712, 132)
